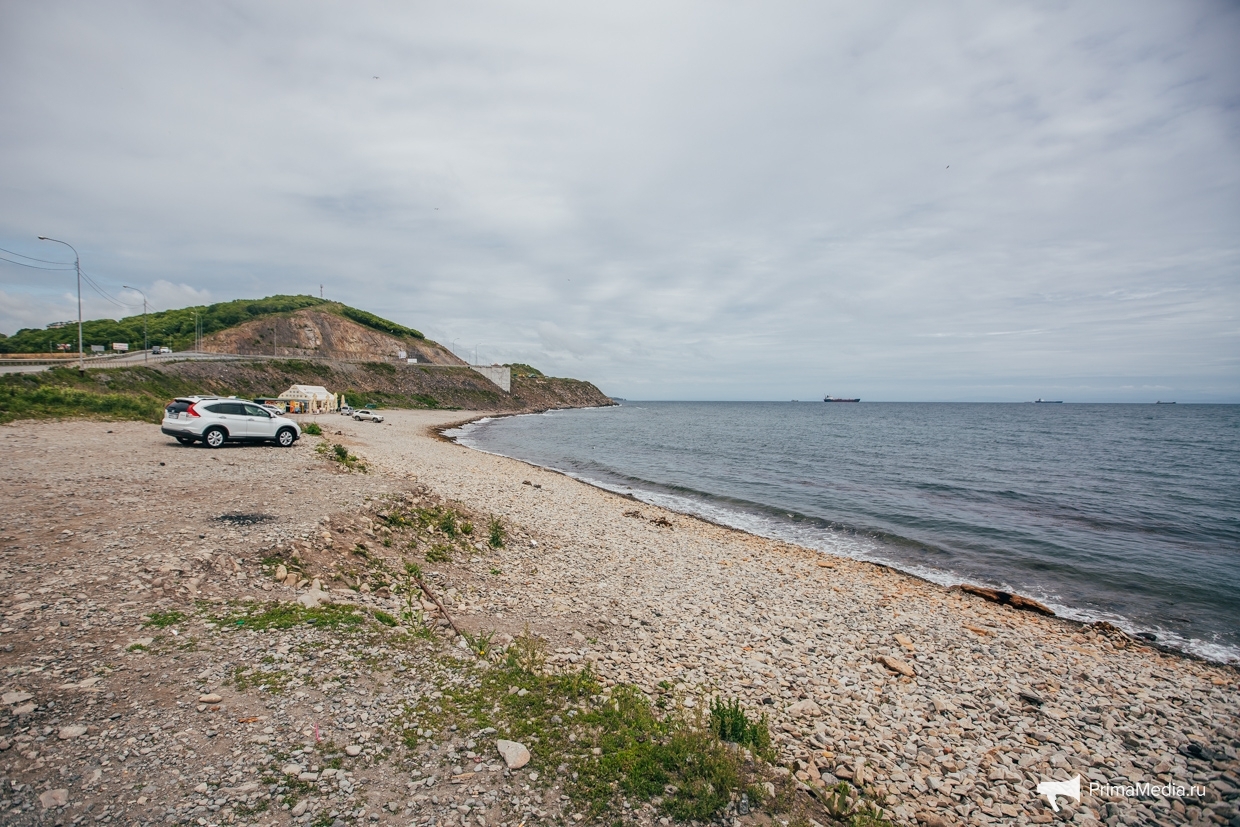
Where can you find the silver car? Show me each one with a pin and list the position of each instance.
(214, 420)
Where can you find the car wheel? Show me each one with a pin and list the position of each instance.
(285, 437)
(214, 437)
(184, 440)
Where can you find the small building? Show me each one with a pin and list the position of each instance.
(312, 399)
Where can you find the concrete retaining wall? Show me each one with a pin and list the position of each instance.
(500, 376)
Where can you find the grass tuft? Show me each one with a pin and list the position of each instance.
(162, 620)
(288, 615)
(496, 533)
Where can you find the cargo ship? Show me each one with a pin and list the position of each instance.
(830, 398)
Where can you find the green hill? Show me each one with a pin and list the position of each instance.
(175, 328)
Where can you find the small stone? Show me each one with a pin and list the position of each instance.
(353, 750)
(201, 788)
(210, 699)
(24, 709)
(806, 707)
(308, 776)
(12, 698)
(534, 776)
(73, 731)
(291, 769)
(896, 665)
(299, 809)
(906, 642)
(515, 755)
(931, 820)
(281, 573)
(54, 798)
(313, 598)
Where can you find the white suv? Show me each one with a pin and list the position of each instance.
(215, 420)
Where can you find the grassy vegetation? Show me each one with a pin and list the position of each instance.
(312, 428)
(360, 399)
(288, 615)
(175, 328)
(608, 746)
(439, 553)
(496, 533)
(274, 681)
(339, 453)
(520, 369)
(118, 393)
(162, 620)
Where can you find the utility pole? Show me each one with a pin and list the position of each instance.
(146, 347)
(320, 291)
(77, 266)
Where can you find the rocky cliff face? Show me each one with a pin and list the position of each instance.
(311, 333)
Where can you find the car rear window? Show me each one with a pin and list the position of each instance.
(177, 407)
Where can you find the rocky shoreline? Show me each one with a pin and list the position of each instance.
(943, 707)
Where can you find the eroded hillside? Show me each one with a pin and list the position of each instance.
(318, 333)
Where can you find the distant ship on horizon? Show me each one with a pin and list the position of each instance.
(1048, 401)
(830, 398)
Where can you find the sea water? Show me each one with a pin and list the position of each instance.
(1124, 513)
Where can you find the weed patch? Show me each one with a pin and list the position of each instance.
(339, 453)
(439, 553)
(496, 534)
(274, 682)
(288, 615)
(162, 620)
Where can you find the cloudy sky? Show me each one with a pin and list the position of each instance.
(675, 200)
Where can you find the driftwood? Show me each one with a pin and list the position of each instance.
(1016, 601)
(427, 591)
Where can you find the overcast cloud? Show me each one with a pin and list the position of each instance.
(675, 200)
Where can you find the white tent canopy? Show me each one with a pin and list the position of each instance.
(314, 398)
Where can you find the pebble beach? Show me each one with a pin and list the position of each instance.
(944, 707)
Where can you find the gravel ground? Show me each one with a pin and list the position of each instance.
(141, 687)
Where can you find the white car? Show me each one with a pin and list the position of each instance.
(345, 410)
(214, 420)
(367, 416)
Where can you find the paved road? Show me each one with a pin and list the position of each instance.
(128, 360)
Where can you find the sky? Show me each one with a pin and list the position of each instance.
(965, 201)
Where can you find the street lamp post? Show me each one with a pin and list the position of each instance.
(77, 266)
(476, 352)
(146, 347)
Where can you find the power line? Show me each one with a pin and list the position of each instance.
(85, 276)
(32, 258)
(105, 294)
(35, 266)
